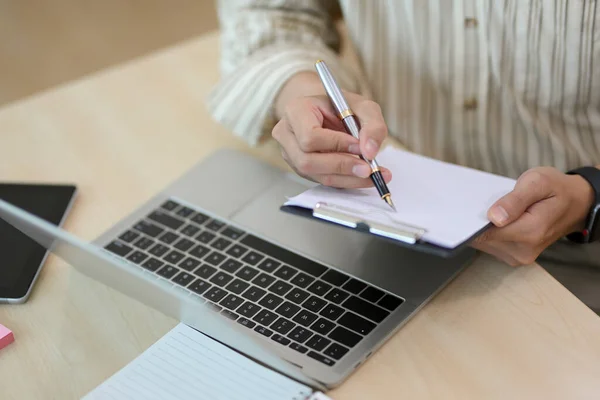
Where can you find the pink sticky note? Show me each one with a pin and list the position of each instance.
(6, 337)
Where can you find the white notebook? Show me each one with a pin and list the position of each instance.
(446, 202)
(185, 364)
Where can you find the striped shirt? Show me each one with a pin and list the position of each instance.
(497, 85)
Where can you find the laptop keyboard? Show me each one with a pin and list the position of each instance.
(296, 302)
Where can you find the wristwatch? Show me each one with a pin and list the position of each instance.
(591, 231)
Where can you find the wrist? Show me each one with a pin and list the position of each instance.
(302, 84)
(584, 198)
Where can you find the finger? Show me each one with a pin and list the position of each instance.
(349, 182)
(530, 188)
(373, 129)
(496, 249)
(332, 164)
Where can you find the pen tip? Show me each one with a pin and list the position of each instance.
(388, 199)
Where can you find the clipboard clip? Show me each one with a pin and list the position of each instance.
(350, 218)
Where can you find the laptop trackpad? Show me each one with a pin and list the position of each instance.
(401, 271)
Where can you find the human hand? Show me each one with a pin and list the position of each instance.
(544, 206)
(314, 143)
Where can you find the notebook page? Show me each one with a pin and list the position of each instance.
(185, 364)
(449, 201)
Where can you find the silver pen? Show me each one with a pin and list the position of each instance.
(349, 120)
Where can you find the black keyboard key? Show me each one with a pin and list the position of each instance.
(232, 301)
(168, 271)
(152, 264)
(280, 339)
(300, 334)
(356, 323)
(215, 225)
(205, 237)
(137, 257)
(237, 286)
(199, 218)
(332, 312)
(247, 273)
(231, 265)
(183, 279)
(269, 265)
(344, 336)
(263, 280)
(246, 322)
(129, 236)
(143, 243)
(166, 219)
(263, 331)
(285, 272)
(118, 248)
(158, 250)
(305, 318)
(270, 301)
(318, 342)
(334, 277)
(174, 257)
(365, 309)
(335, 351)
(205, 271)
(319, 288)
(354, 286)
(287, 309)
(168, 237)
(148, 228)
(301, 263)
(336, 295)
(254, 293)
(215, 258)
(189, 264)
(265, 317)
(214, 307)
(322, 326)
(252, 258)
(220, 244)
(190, 230)
(221, 279)
(215, 294)
(302, 280)
(321, 358)
(280, 288)
(314, 304)
(199, 286)
(297, 295)
(371, 294)
(184, 212)
(248, 309)
(299, 348)
(169, 205)
(390, 302)
(230, 314)
(237, 251)
(282, 325)
(232, 233)
(199, 251)
(184, 244)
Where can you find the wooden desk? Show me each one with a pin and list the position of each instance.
(121, 135)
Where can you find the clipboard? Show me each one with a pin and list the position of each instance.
(404, 235)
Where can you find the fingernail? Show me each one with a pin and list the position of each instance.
(354, 149)
(361, 170)
(372, 147)
(499, 215)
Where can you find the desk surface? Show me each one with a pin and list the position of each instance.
(123, 134)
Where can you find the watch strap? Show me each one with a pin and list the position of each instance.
(591, 231)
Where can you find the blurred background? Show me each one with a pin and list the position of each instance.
(46, 43)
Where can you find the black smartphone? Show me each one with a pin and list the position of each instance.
(22, 258)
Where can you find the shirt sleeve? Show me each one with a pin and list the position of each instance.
(263, 44)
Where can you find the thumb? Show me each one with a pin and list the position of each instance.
(373, 129)
(531, 187)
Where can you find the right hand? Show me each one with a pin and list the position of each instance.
(314, 143)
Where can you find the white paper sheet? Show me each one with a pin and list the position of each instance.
(449, 201)
(185, 364)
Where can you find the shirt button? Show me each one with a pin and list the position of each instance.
(470, 104)
(471, 22)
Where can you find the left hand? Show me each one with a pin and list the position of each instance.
(545, 205)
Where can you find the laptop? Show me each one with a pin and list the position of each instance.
(214, 251)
